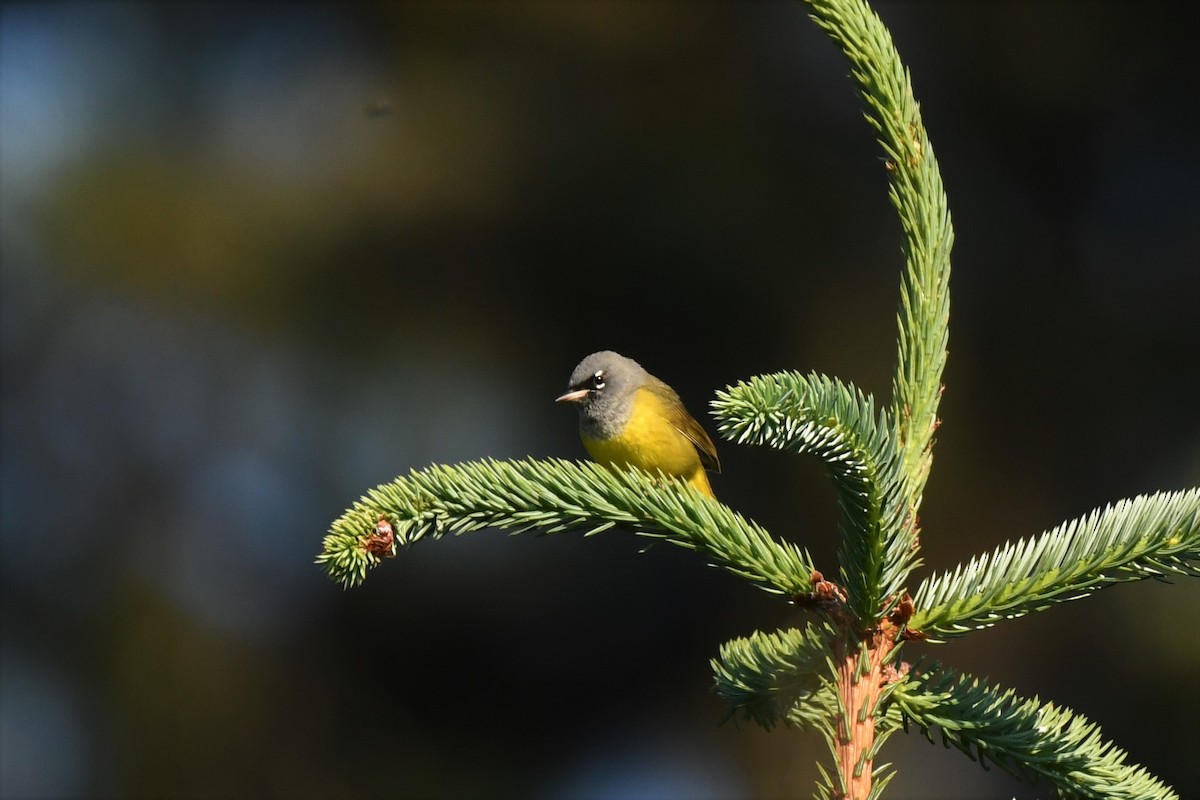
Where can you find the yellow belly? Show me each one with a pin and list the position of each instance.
(650, 442)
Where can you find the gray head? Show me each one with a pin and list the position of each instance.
(602, 388)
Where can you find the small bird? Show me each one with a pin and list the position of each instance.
(629, 417)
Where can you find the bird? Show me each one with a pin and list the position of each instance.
(628, 417)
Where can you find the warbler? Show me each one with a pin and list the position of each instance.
(629, 417)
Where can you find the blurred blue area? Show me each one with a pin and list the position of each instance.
(649, 764)
(257, 259)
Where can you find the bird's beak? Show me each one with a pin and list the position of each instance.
(572, 397)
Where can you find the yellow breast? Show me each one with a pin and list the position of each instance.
(650, 442)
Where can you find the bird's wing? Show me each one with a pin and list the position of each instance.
(686, 424)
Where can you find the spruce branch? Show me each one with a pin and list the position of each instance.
(785, 676)
(842, 427)
(1024, 737)
(799, 677)
(1149, 536)
(916, 191)
(556, 495)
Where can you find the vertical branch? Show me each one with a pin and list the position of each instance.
(916, 191)
(862, 674)
(855, 731)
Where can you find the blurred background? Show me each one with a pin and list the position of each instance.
(260, 258)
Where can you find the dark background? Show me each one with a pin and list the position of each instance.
(258, 259)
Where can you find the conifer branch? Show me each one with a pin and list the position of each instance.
(916, 191)
(1149, 536)
(556, 495)
(787, 676)
(1024, 737)
(798, 677)
(841, 426)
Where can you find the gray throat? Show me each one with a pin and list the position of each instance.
(605, 416)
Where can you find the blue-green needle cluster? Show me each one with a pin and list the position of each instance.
(818, 415)
(1025, 737)
(1150, 536)
(554, 495)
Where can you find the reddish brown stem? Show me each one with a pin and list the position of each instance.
(861, 678)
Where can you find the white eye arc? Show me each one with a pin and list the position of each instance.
(598, 379)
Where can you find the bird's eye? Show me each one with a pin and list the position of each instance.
(598, 379)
